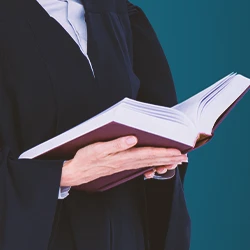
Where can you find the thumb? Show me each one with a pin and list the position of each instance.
(120, 144)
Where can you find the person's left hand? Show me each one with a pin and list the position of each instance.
(159, 170)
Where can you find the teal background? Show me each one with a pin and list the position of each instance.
(204, 41)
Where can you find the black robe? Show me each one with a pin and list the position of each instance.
(46, 88)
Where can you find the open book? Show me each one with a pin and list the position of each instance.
(185, 126)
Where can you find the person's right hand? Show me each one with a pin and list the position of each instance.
(107, 158)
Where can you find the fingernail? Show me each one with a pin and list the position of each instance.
(131, 140)
(150, 176)
(161, 172)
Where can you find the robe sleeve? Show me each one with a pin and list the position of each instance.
(156, 87)
(28, 189)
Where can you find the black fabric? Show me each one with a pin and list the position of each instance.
(46, 87)
(157, 87)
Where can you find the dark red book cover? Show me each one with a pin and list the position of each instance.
(108, 132)
(115, 130)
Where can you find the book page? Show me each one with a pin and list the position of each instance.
(129, 114)
(221, 101)
(192, 106)
(157, 111)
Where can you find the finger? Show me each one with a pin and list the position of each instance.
(148, 156)
(152, 153)
(162, 161)
(161, 170)
(174, 166)
(150, 174)
(115, 146)
(173, 160)
(164, 169)
(134, 161)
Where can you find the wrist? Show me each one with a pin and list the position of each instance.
(66, 174)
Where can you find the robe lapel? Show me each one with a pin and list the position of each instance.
(75, 90)
(109, 50)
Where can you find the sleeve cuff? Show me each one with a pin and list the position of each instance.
(63, 192)
(168, 175)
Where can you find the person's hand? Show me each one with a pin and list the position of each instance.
(107, 158)
(162, 169)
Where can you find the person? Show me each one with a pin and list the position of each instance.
(61, 63)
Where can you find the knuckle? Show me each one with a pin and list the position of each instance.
(97, 149)
(118, 144)
(150, 153)
(111, 171)
(80, 151)
(174, 151)
(122, 162)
